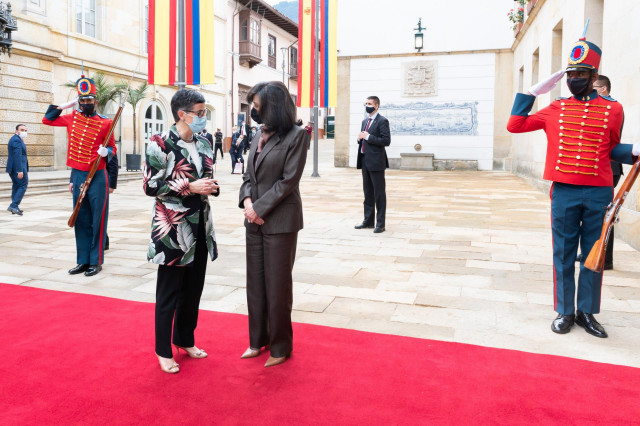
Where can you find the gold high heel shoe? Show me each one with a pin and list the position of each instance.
(193, 351)
(173, 369)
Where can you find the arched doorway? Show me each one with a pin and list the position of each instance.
(154, 121)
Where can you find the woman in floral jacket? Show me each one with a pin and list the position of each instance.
(179, 174)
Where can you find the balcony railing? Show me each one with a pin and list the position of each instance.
(249, 53)
(293, 71)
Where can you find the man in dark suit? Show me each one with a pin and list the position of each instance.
(17, 167)
(235, 151)
(372, 159)
(218, 146)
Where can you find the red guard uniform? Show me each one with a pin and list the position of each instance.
(86, 133)
(583, 134)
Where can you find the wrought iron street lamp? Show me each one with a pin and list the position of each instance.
(7, 25)
(419, 40)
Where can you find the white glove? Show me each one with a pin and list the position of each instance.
(546, 85)
(69, 104)
(636, 149)
(103, 152)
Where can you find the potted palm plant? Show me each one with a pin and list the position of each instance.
(135, 96)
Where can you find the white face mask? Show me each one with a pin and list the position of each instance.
(23, 135)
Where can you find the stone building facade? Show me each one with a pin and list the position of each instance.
(55, 38)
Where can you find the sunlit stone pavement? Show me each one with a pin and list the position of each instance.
(466, 257)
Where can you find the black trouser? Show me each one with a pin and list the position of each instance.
(178, 292)
(375, 197)
(218, 147)
(270, 260)
(608, 254)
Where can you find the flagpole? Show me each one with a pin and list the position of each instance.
(182, 75)
(316, 29)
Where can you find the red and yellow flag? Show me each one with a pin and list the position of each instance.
(308, 53)
(162, 42)
(199, 38)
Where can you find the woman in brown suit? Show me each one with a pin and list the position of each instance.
(270, 197)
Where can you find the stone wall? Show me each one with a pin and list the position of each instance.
(25, 93)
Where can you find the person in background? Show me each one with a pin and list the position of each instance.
(603, 87)
(235, 151)
(218, 145)
(18, 168)
(179, 174)
(270, 197)
(112, 173)
(374, 136)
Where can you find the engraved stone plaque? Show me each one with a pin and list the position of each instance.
(420, 78)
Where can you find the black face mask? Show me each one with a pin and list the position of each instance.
(370, 109)
(87, 109)
(578, 86)
(255, 116)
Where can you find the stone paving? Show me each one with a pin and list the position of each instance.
(466, 258)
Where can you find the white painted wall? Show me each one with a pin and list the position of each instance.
(461, 78)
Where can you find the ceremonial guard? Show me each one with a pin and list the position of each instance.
(583, 134)
(86, 132)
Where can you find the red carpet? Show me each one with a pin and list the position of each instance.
(78, 359)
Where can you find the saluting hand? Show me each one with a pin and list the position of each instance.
(546, 85)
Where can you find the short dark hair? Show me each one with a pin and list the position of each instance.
(277, 110)
(183, 100)
(375, 99)
(18, 126)
(605, 80)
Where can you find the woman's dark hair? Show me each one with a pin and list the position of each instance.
(184, 100)
(277, 110)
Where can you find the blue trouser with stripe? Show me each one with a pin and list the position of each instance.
(91, 224)
(577, 212)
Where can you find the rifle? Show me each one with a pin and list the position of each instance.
(94, 167)
(595, 260)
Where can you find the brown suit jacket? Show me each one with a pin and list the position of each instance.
(273, 183)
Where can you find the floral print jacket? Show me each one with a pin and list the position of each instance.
(176, 214)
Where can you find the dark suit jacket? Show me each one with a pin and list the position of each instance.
(273, 183)
(209, 137)
(234, 149)
(375, 156)
(112, 171)
(17, 155)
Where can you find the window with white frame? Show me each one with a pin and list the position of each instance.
(86, 17)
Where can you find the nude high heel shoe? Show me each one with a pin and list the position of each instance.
(168, 365)
(252, 352)
(273, 361)
(193, 351)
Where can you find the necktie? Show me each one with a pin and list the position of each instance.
(366, 129)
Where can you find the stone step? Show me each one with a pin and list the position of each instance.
(41, 186)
